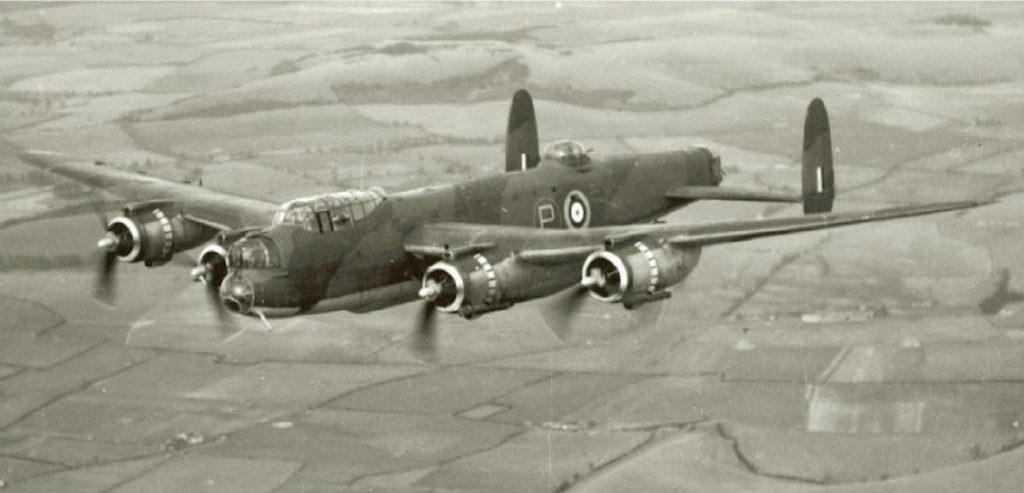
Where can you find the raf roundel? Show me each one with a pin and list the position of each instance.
(577, 210)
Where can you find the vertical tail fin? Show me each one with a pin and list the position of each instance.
(818, 177)
(521, 148)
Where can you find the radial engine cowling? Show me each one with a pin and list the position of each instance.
(637, 271)
(467, 286)
(212, 264)
(151, 232)
(472, 285)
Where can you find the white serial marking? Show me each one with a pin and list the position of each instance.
(545, 214)
(820, 187)
(522, 160)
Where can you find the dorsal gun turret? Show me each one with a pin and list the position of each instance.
(568, 153)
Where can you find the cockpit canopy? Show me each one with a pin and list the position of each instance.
(568, 152)
(254, 253)
(330, 211)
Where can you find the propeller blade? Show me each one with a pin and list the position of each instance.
(96, 202)
(105, 281)
(225, 323)
(560, 312)
(424, 339)
(183, 260)
(646, 316)
(105, 290)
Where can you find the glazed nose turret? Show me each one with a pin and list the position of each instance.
(236, 293)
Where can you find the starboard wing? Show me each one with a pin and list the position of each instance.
(733, 231)
(545, 246)
(731, 193)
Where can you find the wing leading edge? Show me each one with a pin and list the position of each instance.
(748, 230)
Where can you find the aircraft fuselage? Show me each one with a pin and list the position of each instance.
(364, 266)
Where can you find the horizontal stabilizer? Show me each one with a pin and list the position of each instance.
(696, 192)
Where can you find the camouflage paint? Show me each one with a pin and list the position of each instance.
(520, 227)
(370, 254)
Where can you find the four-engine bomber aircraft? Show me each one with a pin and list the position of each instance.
(552, 221)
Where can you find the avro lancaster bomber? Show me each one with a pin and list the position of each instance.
(556, 220)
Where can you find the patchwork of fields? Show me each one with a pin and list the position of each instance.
(886, 357)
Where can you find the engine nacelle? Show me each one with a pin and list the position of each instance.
(468, 286)
(213, 261)
(151, 232)
(473, 285)
(637, 272)
(212, 264)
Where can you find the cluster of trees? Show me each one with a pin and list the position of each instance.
(57, 99)
(34, 177)
(38, 103)
(284, 67)
(62, 188)
(456, 167)
(396, 146)
(378, 148)
(41, 262)
(37, 32)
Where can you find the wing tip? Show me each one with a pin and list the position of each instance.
(40, 157)
(971, 204)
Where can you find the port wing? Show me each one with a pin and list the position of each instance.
(209, 207)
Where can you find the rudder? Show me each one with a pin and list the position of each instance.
(818, 188)
(521, 144)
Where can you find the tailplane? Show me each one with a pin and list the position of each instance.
(818, 188)
(522, 150)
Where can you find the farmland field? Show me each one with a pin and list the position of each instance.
(876, 358)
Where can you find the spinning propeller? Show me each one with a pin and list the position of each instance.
(211, 272)
(424, 337)
(561, 312)
(105, 290)
(112, 244)
(106, 285)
